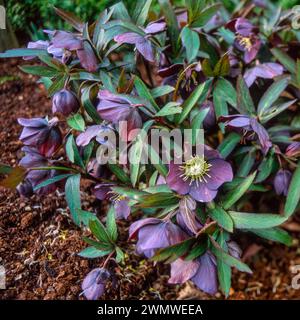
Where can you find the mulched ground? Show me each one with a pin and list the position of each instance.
(38, 242)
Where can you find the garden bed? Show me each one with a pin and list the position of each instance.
(38, 241)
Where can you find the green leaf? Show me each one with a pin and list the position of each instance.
(265, 168)
(226, 258)
(161, 91)
(271, 95)
(226, 91)
(247, 163)
(85, 217)
(41, 71)
(88, 105)
(52, 180)
(72, 190)
(140, 12)
(157, 200)
(144, 92)
(197, 250)
(98, 245)
(197, 124)
(274, 234)
(5, 169)
(22, 52)
(293, 195)
(222, 67)
(111, 224)
(99, 231)
(233, 196)
(76, 122)
(229, 144)
(171, 20)
(276, 109)
(224, 270)
(132, 194)
(73, 152)
(57, 84)
(169, 109)
(222, 217)
(156, 161)
(191, 42)
(92, 252)
(244, 100)
(284, 59)
(205, 16)
(197, 96)
(173, 252)
(243, 220)
(119, 172)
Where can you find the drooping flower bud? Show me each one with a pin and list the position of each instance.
(65, 102)
(25, 189)
(93, 285)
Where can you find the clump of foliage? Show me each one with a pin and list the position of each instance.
(237, 76)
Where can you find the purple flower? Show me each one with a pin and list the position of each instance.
(293, 150)
(264, 70)
(33, 159)
(40, 44)
(100, 132)
(103, 191)
(116, 108)
(200, 176)
(25, 189)
(154, 234)
(210, 119)
(71, 42)
(202, 272)
(282, 181)
(246, 39)
(94, 168)
(42, 134)
(142, 43)
(93, 285)
(65, 102)
(248, 125)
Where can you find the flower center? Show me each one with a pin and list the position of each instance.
(245, 42)
(195, 169)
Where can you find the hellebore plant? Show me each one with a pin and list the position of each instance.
(192, 68)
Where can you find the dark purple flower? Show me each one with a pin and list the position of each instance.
(65, 102)
(248, 125)
(200, 176)
(25, 189)
(142, 42)
(210, 119)
(246, 39)
(293, 150)
(101, 132)
(93, 285)
(94, 168)
(42, 134)
(186, 216)
(73, 43)
(282, 181)
(202, 272)
(33, 159)
(155, 234)
(103, 191)
(40, 44)
(116, 108)
(264, 70)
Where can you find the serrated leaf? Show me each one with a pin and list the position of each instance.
(244, 101)
(229, 144)
(41, 71)
(243, 220)
(22, 52)
(169, 109)
(271, 95)
(222, 67)
(99, 231)
(205, 15)
(274, 234)
(73, 152)
(233, 196)
(222, 217)
(191, 42)
(140, 12)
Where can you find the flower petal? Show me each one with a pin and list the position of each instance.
(174, 181)
(182, 270)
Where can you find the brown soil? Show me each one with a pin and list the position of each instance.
(38, 242)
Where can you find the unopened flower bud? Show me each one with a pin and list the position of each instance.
(65, 102)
